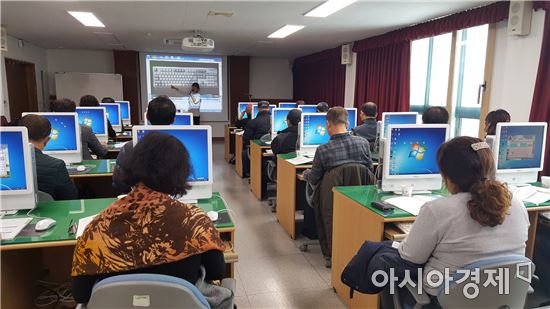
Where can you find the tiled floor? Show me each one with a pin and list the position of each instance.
(271, 272)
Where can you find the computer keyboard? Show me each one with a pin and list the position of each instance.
(165, 77)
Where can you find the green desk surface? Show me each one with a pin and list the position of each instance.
(259, 143)
(96, 167)
(66, 212)
(365, 195)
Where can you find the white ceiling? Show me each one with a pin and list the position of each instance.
(143, 25)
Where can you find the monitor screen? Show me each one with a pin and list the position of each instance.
(308, 108)
(63, 136)
(279, 119)
(124, 109)
(413, 151)
(93, 118)
(315, 130)
(390, 119)
(12, 162)
(255, 110)
(196, 143)
(352, 118)
(113, 112)
(288, 105)
(520, 147)
(243, 105)
(183, 120)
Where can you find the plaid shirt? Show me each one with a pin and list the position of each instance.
(341, 149)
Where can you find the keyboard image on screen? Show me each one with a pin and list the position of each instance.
(165, 77)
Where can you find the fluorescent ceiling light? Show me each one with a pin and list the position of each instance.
(87, 19)
(328, 8)
(285, 31)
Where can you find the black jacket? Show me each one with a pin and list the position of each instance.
(53, 177)
(285, 141)
(367, 130)
(257, 127)
(112, 133)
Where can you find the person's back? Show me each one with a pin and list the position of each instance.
(259, 126)
(367, 129)
(285, 141)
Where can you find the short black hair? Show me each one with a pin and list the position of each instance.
(369, 109)
(300, 102)
(322, 107)
(294, 116)
(161, 162)
(63, 106)
(196, 85)
(89, 100)
(161, 111)
(39, 127)
(493, 118)
(107, 100)
(435, 114)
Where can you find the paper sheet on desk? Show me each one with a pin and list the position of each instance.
(10, 227)
(531, 194)
(300, 160)
(269, 151)
(82, 223)
(239, 133)
(411, 205)
(120, 145)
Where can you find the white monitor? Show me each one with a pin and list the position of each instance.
(519, 151)
(243, 105)
(352, 117)
(278, 120)
(125, 113)
(490, 139)
(95, 118)
(308, 108)
(255, 109)
(114, 115)
(410, 157)
(313, 132)
(181, 119)
(390, 118)
(198, 142)
(288, 105)
(17, 170)
(65, 140)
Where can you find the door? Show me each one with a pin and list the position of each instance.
(22, 93)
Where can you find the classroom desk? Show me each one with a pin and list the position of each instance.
(355, 220)
(26, 259)
(124, 136)
(239, 154)
(97, 180)
(289, 193)
(112, 151)
(229, 142)
(257, 183)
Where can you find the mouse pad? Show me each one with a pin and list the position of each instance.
(29, 231)
(223, 218)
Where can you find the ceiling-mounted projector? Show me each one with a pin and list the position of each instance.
(197, 43)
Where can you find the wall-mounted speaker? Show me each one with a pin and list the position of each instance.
(3, 39)
(519, 17)
(346, 54)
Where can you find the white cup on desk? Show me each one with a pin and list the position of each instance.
(545, 181)
(406, 190)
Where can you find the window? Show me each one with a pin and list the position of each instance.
(431, 77)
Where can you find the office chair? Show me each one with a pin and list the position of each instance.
(272, 184)
(145, 290)
(520, 269)
(44, 197)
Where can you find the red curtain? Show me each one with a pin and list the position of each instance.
(320, 77)
(383, 77)
(540, 108)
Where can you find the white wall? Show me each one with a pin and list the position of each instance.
(515, 68)
(78, 60)
(271, 78)
(349, 95)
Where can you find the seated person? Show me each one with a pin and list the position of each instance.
(300, 102)
(495, 117)
(255, 129)
(285, 141)
(435, 114)
(367, 129)
(160, 111)
(322, 107)
(51, 173)
(90, 100)
(90, 143)
(481, 219)
(241, 120)
(149, 231)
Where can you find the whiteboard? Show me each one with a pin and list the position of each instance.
(73, 85)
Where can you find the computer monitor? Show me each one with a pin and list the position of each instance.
(255, 110)
(278, 120)
(17, 170)
(114, 115)
(410, 157)
(125, 112)
(198, 141)
(390, 118)
(95, 118)
(243, 105)
(65, 140)
(519, 151)
(308, 108)
(288, 105)
(313, 132)
(181, 119)
(352, 117)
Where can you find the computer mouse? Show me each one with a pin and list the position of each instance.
(44, 224)
(213, 215)
(81, 168)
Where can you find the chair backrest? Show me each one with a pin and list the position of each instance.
(272, 170)
(503, 283)
(146, 290)
(44, 197)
